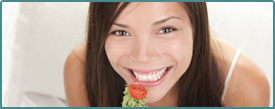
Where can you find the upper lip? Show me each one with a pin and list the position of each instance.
(147, 70)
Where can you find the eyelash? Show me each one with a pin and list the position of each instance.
(167, 30)
(162, 31)
(119, 32)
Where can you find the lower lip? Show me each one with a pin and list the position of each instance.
(150, 83)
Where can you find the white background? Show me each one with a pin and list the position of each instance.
(37, 37)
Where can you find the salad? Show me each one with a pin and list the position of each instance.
(135, 96)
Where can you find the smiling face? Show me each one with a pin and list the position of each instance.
(151, 44)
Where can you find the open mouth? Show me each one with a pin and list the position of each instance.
(150, 76)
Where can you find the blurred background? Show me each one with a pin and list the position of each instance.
(37, 37)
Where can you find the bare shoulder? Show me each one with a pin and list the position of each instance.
(248, 86)
(80, 52)
(74, 77)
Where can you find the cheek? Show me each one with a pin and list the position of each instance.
(109, 50)
(179, 48)
(114, 50)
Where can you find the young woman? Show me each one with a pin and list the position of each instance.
(166, 47)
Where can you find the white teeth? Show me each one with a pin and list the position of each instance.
(155, 78)
(144, 78)
(158, 75)
(137, 76)
(151, 77)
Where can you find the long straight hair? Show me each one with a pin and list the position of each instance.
(200, 85)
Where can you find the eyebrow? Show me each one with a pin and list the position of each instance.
(166, 19)
(155, 23)
(121, 25)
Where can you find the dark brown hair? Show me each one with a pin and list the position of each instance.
(201, 84)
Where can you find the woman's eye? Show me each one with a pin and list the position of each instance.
(167, 30)
(120, 33)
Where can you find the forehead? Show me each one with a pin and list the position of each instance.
(147, 11)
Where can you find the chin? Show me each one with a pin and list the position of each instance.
(154, 97)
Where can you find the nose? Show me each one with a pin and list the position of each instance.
(144, 51)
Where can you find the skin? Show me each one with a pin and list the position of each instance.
(145, 47)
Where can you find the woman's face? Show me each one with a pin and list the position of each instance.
(151, 44)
